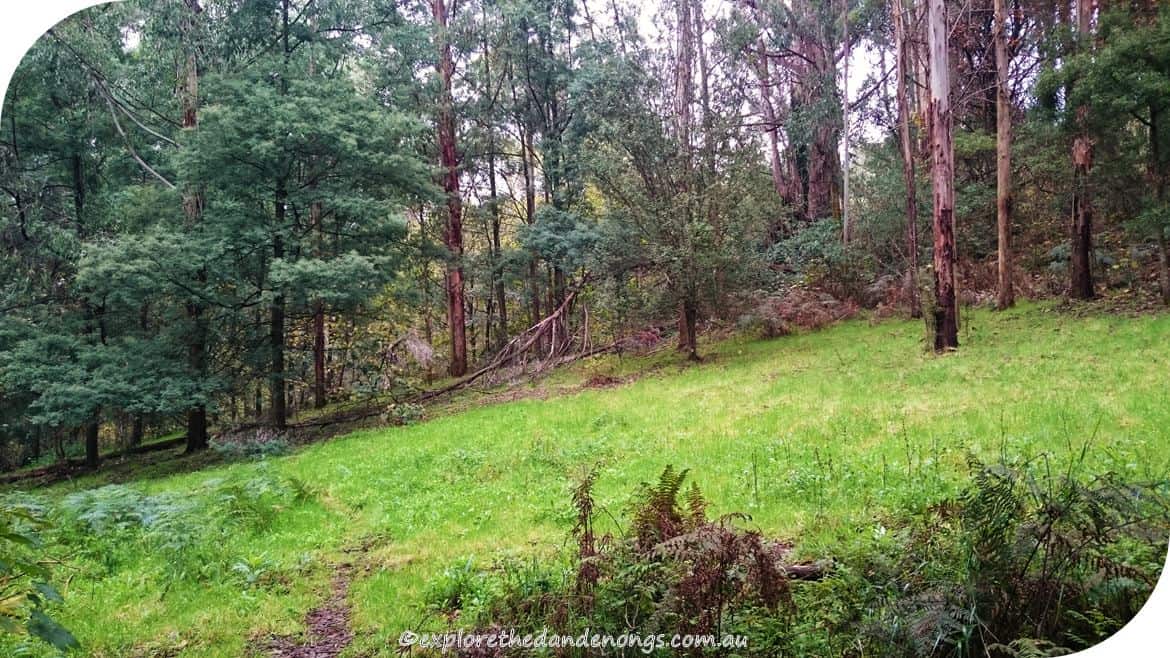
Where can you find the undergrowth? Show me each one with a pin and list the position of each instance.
(1024, 562)
(183, 535)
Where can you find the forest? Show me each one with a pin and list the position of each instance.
(327, 321)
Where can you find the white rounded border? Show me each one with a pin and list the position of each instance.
(23, 22)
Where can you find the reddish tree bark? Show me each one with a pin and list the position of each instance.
(1081, 229)
(946, 309)
(449, 160)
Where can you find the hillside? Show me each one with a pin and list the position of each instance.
(815, 436)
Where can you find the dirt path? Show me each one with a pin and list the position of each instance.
(328, 630)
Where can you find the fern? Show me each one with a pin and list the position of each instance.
(1028, 648)
(656, 513)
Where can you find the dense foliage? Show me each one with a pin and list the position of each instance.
(231, 210)
(223, 218)
(1024, 562)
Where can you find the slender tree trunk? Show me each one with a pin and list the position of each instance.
(277, 390)
(1081, 229)
(946, 309)
(906, 144)
(449, 160)
(35, 445)
(684, 95)
(192, 209)
(90, 430)
(497, 251)
(319, 346)
(1003, 162)
(530, 219)
(137, 430)
(921, 58)
(771, 104)
(319, 336)
(501, 293)
(278, 402)
(846, 227)
(1164, 265)
(688, 327)
(92, 458)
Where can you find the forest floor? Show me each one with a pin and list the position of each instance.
(815, 436)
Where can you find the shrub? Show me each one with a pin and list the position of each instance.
(1023, 563)
(250, 444)
(26, 594)
(403, 413)
(795, 309)
(819, 260)
(114, 524)
(675, 571)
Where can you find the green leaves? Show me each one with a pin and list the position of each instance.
(42, 626)
(25, 593)
(565, 239)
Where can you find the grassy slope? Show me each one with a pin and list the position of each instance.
(813, 435)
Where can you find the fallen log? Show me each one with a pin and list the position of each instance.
(805, 571)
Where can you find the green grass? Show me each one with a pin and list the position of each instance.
(815, 436)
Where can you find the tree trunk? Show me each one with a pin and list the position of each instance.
(92, 458)
(319, 337)
(921, 60)
(319, 343)
(1164, 265)
(1003, 162)
(277, 408)
(449, 160)
(816, 72)
(529, 219)
(907, 147)
(35, 444)
(821, 168)
(1081, 238)
(683, 98)
(192, 209)
(501, 300)
(137, 430)
(278, 401)
(846, 227)
(688, 322)
(771, 108)
(946, 309)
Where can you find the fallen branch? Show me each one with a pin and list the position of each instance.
(804, 571)
(516, 348)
